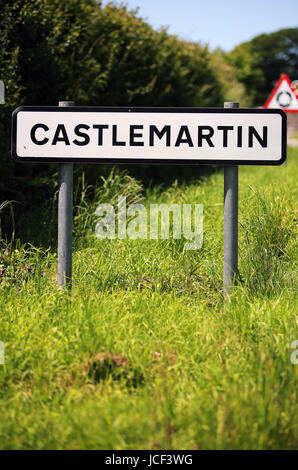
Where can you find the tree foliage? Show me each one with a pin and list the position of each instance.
(261, 61)
(227, 74)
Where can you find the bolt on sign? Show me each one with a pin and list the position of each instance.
(149, 135)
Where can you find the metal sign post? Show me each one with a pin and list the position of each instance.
(65, 200)
(2, 92)
(230, 263)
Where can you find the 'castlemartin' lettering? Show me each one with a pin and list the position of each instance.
(100, 134)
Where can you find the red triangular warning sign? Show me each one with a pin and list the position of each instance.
(283, 96)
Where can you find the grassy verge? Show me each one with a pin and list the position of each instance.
(144, 353)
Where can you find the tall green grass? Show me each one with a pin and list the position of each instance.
(144, 353)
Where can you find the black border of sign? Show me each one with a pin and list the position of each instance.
(150, 110)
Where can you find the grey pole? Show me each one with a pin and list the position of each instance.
(2, 92)
(230, 222)
(65, 200)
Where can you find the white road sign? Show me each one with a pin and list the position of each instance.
(283, 96)
(149, 135)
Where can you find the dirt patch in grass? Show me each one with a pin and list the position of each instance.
(106, 365)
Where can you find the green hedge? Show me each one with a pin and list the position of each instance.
(53, 50)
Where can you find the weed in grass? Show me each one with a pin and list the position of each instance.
(117, 184)
(269, 231)
(22, 263)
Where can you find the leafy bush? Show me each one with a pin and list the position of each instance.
(227, 74)
(53, 50)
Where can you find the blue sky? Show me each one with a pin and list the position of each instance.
(223, 23)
